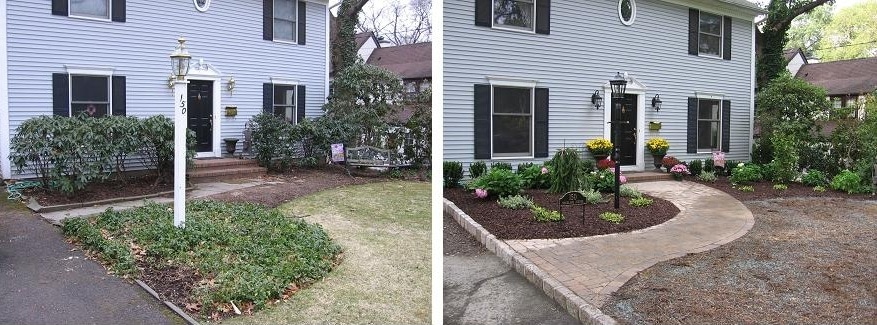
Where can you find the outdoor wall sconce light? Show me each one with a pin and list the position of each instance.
(596, 99)
(170, 81)
(656, 102)
(230, 84)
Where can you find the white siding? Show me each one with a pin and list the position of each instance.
(795, 64)
(228, 36)
(586, 47)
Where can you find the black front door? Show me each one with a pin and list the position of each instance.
(201, 114)
(625, 112)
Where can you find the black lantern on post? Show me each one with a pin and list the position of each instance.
(619, 86)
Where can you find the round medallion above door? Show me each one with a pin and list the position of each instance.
(201, 5)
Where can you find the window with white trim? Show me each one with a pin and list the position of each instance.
(90, 94)
(285, 13)
(284, 102)
(710, 34)
(90, 8)
(709, 124)
(512, 121)
(518, 14)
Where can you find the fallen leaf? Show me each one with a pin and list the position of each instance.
(193, 307)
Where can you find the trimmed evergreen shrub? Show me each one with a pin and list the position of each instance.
(567, 170)
(453, 173)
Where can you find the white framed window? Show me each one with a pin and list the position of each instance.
(285, 102)
(285, 13)
(627, 11)
(710, 32)
(515, 14)
(512, 121)
(93, 9)
(90, 94)
(709, 124)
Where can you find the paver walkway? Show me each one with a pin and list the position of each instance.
(201, 190)
(582, 272)
(595, 267)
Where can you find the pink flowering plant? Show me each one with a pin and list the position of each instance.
(679, 170)
(480, 193)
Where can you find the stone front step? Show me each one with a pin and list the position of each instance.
(212, 170)
(641, 177)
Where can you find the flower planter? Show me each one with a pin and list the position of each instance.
(658, 161)
(230, 145)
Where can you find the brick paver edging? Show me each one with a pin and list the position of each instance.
(575, 305)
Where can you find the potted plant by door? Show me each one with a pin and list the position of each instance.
(658, 148)
(230, 145)
(600, 148)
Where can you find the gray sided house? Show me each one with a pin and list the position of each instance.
(103, 57)
(520, 76)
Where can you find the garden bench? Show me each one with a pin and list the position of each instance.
(368, 156)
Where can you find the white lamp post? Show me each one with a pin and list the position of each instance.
(180, 65)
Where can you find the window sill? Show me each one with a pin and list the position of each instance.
(711, 57)
(108, 20)
(511, 157)
(283, 41)
(514, 30)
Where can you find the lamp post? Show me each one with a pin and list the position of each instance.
(619, 85)
(180, 65)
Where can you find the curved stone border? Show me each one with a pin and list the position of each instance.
(581, 273)
(575, 305)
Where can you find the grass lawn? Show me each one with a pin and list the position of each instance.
(384, 278)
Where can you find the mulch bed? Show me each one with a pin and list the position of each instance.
(134, 186)
(765, 190)
(519, 224)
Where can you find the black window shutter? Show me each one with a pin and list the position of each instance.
(727, 27)
(482, 122)
(302, 22)
(693, 23)
(540, 119)
(61, 94)
(483, 9)
(726, 125)
(119, 96)
(119, 10)
(300, 104)
(543, 17)
(268, 98)
(268, 20)
(59, 7)
(692, 125)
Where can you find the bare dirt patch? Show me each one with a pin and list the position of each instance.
(519, 224)
(806, 261)
(111, 189)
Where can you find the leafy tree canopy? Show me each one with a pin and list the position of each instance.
(851, 34)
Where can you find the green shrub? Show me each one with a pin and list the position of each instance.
(848, 181)
(730, 165)
(534, 178)
(272, 141)
(746, 188)
(762, 151)
(749, 173)
(593, 197)
(695, 167)
(453, 173)
(567, 169)
(515, 202)
(641, 202)
(545, 215)
(707, 176)
(500, 182)
(785, 163)
(588, 165)
(501, 165)
(815, 156)
(604, 181)
(780, 187)
(709, 165)
(612, 217)
(476, 169)
(627, 191)
(814, 178)
(819, 188)
(523, 166)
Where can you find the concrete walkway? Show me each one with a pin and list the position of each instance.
(201, 190)
(580, 273)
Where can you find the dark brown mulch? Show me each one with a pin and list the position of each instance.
(174, 284)
(765, 190)
(134, 186)
(519, 224)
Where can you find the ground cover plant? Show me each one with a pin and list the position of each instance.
(238, 253)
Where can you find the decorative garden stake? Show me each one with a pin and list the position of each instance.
(573, 198)
(180, 64)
